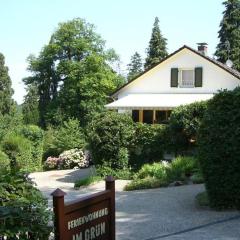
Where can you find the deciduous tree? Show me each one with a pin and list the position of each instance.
(73, 74)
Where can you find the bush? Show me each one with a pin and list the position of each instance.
(8, 124)
(219, 148)
(49, 149)
(162, 173)
(22, 208)
(105, 170)
(184, 126)
(74, 158)
(19, 151)
(149, 144)
(4, 161)
(145, 183)
(156, 170)
(197, 178)
(35, 135)
(68, 160)
(53, 163)
(109, 135)
(181, 167)
(68, 136)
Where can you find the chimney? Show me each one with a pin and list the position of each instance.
(202, 48)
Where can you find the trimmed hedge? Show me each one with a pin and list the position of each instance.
(109, 135)
(219, 147)
(184, 125)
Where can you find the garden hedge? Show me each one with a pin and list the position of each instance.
(184, 125)
(219, 148)
(109, 135)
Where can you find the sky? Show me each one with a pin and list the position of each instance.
(125, 25)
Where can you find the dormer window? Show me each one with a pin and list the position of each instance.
(186, 78)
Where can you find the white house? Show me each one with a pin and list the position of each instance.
(184, 77)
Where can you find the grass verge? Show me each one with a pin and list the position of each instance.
(87, 181)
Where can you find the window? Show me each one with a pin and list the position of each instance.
(162, 116)
(148, 116)
(135, 115)
(151, 116)
(186, 78)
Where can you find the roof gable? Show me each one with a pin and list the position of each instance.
(233, 72)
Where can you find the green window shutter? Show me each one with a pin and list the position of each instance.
(198, 77)
(174, 77)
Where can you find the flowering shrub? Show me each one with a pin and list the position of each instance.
(69, 159)
(53, 163)
(74, 158)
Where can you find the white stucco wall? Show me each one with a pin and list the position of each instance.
(157, 80)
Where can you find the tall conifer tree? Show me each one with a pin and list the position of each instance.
(135, 67)
(157, 47)
(229, 34)
(6, 91)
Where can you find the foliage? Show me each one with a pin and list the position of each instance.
(105, 170)
(22, 208)
(36, 136)
(67, 136)
(109, 135)
(87, 181)
(6, 92)
(53, 163)
(4, 161)
(19, 151)
(160, 174)
(68, 160)
(197, 178)
(229, 34)
(49, 148)
(182, 167)
(148, 145)
(74, 158)
(184, 125)
(135, 67)
(156, 170)
(202, 199)
(145, 183)
(219, 139)
(157, 47)
(9, 124)
(30, 106)
(73, 74)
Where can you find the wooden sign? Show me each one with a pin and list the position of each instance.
(91, 217)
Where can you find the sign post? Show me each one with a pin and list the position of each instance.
(91, 217)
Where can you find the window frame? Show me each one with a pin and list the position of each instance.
(180, 82)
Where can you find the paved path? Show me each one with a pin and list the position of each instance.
(164, 213)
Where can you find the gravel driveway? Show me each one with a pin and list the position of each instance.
(164, 213)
